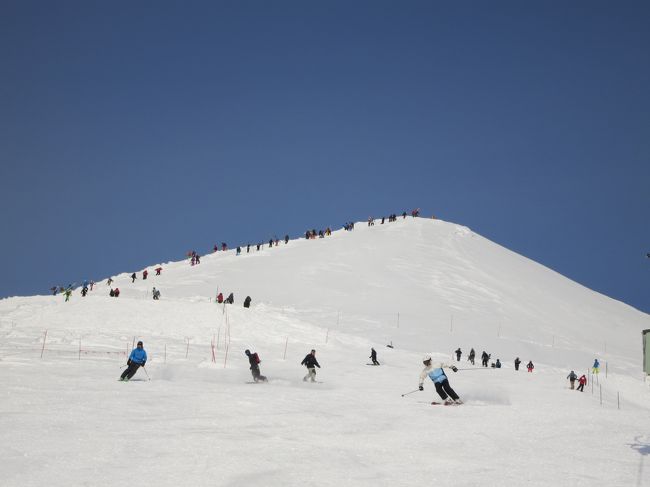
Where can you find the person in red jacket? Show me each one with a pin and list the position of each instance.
(582, 380)
(220, 298)
(145, 273)
(158, 270)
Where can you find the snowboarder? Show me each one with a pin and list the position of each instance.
(582, 380)
(247, 302)
(472, 355)
(311, 363)
(517, 362)
(458, 353)
(220, 298)
(530, 366)
(440, 380)
(254, 361)
(145, 273)
(373, 356)
(572, 379)
(596, 366)
(133, 277)
(136, 360)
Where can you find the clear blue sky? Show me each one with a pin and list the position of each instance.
(131, 132)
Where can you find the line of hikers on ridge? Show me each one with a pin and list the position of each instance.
(195, 258)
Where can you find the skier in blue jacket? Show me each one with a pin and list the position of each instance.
(137, 359)
(439, 378)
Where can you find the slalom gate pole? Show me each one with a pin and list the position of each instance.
(407, 393)
(145, 371)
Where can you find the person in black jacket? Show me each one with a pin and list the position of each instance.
(373, 356)
(311, 363)
(230, 299)
(247, 302)
(254, 361)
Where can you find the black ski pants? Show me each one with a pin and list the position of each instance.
(444, 389)
(130, 371)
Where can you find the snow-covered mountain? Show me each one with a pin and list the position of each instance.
(421, 285)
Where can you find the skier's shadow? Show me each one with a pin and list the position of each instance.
(641, 444)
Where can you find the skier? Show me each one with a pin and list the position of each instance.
(582, 380)
(230, 299)
(220, 298)
(373, 356)
(311, 363)
(572, 379)
(530, 366)
(158, 270)
(596, 366)
(156, 294)
(145, 273)
(111, 293)
(67, 293)
(84, 291)
(109, 281)
(247, 302)
(517, 362)
(440, 380)
(458, 353)
(133, 277)
(471, 356)
(497, 365)
(136, 360)
(254, 361)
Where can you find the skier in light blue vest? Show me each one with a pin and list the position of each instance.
(440, 380)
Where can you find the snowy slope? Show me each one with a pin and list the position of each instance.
(424, 285)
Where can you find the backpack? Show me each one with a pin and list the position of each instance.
(257, 358)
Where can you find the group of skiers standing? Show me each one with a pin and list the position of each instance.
(485, 359)
(231, 300)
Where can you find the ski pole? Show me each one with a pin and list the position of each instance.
(145, 371)
(407, 393)
(479, 368)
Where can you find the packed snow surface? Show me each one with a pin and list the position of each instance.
(422, 286)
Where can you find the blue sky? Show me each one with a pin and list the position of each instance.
(131, 132)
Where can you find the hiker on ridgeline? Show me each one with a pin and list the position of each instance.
(582, 381)
(248, 248)
(215, 248)
(373, 356)
(596, 367)
(530, 366)
(137, 359)
(254, 361)
(230, 299)
(84, 291)
(440, 380)
(247, 302)
(158, 270)
(472, 354)
(572, 379)
(517, 362)
(270, 242)
(311, 363)
(238, 250)
(484, 358)
(286, 239)
(197, 257)
(133, 277)
(145, 273)
(156, 294)
(224, 247)
(67, 293)
(458, 353)
(111, 293)
(55, 290)
(403, 215)
(92, 283)
(220, 298)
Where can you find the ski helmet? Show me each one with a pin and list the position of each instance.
(247, 352)
(426, 358)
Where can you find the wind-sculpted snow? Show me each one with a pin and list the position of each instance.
(423, 286)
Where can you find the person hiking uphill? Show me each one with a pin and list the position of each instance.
(254, 361)
(373, 356)
(136, 360)
(582, 381)
(471, 356)
(530, 366)
(440, 380)
(458, 353)
(572, 379)
(311, 363)
(596, 367)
